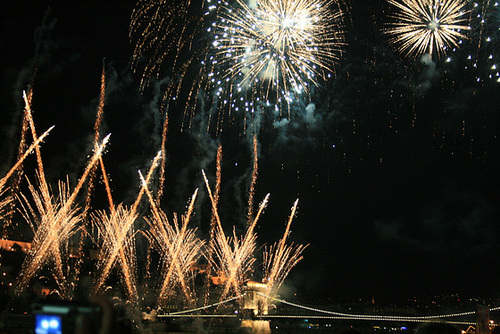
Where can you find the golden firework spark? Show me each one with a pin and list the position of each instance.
(427, 26)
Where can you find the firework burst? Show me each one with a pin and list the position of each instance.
(273, 48)
(236, 54)
(427, 26)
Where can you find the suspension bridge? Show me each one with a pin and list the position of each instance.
(468, 318)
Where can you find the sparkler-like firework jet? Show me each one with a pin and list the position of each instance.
(280, 258)
(118, 241)
(53, 220)
(427, 26)
(274, 47)
(179, 248)
(234, 257)
(118, 245)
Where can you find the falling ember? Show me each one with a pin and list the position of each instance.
(427, 26)
(163, 33)
(280, 258)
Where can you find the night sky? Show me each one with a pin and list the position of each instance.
(394, 160)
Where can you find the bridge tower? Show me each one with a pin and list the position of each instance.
(254, 298)
(256, 302)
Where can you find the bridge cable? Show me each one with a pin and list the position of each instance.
(376, 317)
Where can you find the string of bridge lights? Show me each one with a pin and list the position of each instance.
(347, 316)
(332, 314)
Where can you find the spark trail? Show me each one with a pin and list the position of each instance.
(255, 168)
(427, 26)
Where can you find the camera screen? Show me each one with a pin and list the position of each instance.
(48, 324)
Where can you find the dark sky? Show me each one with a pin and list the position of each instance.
(395, 165)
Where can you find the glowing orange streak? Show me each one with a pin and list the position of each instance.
(254, 179)
(287, 230)
(43, 181)
(97, 126)
(107, 186)
(218, 176)
(214, 206)
(164, 158)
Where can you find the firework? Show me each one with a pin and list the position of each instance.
(482, 55)
(233, 257)
(179, 249)
(427, 26)
(3, 181)
(118, 241)
(163, 32)
(269, 51)
(255, 168)
(280, 258)
(273, 48)
(118, 247)
(54, 219)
